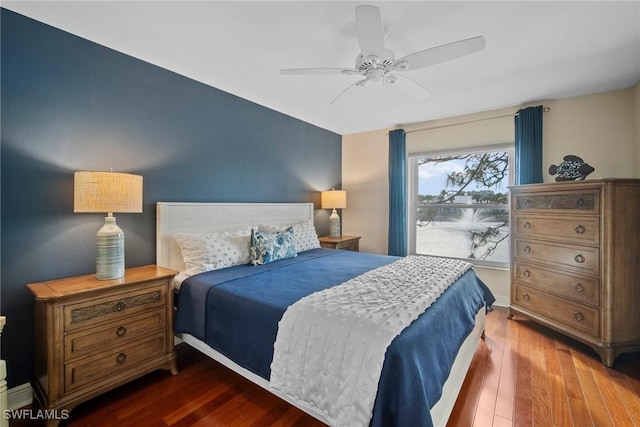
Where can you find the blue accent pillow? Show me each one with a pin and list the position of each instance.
(269, 247)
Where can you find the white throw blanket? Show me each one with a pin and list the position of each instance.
(331, 345)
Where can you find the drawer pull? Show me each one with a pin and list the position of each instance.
(121, 305)
(526, 249)
(578, 287)
(578, 316)
(121, 331)
(526, 273)
(526, 297)
(579, 258)
(121, 358)
(527, 225)
(527, 202)
(580, 201)
(580, 229)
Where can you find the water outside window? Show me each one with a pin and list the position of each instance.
(462, 207)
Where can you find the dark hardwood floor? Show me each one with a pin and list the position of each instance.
(522, 375)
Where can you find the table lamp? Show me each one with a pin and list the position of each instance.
(334, 199)
(108, 192)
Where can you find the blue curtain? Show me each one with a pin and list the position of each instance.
(528, 146)
(397, 193)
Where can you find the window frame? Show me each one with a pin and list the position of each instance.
(413, 185)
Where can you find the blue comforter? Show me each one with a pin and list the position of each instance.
(236, 311)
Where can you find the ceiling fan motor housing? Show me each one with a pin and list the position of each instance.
(364, 63)
(377, 69)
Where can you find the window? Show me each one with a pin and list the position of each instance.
(460, 205)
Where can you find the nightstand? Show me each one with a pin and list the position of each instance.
(94, 335)
(348, 243)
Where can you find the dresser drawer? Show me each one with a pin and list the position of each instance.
(115, 306)
(563, 202)
(583, 289)
(94, 369)
(581, 230)
(581, 259)
(104, 338)
(576, 316)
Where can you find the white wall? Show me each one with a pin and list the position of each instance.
(491, 127)
(603, 129)
(366, 181)
(599, 128)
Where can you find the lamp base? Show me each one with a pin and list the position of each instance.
(109, 250)
(334, 225)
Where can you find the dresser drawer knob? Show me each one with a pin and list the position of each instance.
(527, 225)
(121, 331)
(578, 287)
(121, 358)
(580, 229)
(579, 258)
(578, 316)
(526, 249)
(121, 305)
(580, 201)
(527, 202)
(526, 297)
(526, 273)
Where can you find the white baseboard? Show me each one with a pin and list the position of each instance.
(20, 396)
(501, 301)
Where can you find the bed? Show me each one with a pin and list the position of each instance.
(211, 311)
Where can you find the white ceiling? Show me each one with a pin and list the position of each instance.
(535, 51)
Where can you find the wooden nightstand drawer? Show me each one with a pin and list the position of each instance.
(575, 229)
(115, 306)
(101, 339)
(345, 243)
(92, 370)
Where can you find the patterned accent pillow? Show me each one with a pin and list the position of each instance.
(269, 247)
(304, 233)
(211, 251)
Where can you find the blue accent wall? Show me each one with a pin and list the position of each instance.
(69, 104)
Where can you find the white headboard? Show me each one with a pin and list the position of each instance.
(179, 217)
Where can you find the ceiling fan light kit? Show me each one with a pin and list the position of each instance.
(377, 64)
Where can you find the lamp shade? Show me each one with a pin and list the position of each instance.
(333, 199)
(107, 192)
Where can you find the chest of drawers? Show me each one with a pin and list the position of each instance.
(575, 261)
(92, 336)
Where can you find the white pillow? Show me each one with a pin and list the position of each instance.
(210, 251)
(304, 234)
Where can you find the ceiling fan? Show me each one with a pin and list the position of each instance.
(377, 64)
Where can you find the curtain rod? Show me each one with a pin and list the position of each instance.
(544, 109)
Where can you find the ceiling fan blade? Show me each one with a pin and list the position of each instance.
(370, 31)
(413, 90)
(443, 53)
(359, 83)
(318, 71)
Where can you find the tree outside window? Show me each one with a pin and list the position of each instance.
(462, 206)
